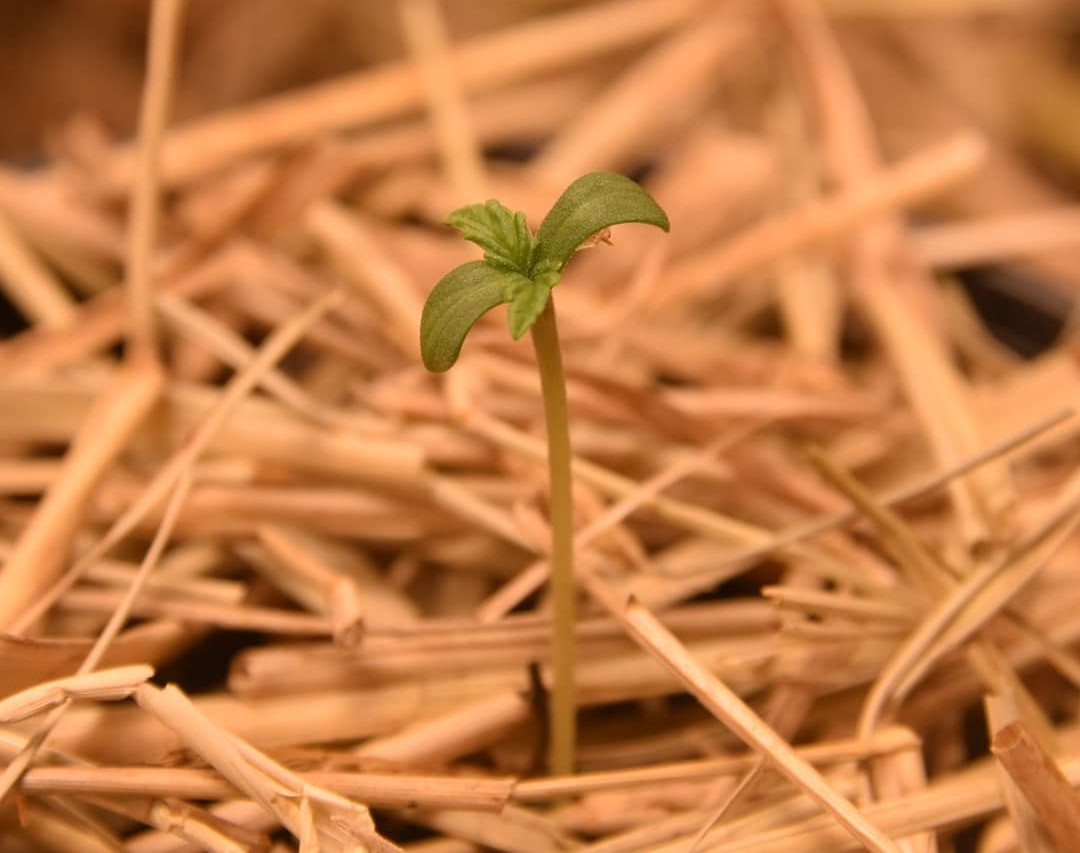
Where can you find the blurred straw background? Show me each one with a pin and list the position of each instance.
(268, 585)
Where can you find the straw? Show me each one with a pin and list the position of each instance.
(162, 47)
(825, 487)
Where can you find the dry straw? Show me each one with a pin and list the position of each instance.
(825, 522)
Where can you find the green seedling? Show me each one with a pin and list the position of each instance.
(521, 268)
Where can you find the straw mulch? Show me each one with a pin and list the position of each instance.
(267, 584)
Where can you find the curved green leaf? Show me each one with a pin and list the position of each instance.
(461, 297)
(591, 203)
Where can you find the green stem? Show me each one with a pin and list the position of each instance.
(563, 704)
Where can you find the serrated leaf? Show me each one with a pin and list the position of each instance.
(590, 204)
(527, 304)
(461, 298)
(502, 234)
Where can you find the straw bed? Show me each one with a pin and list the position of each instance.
(266, 584)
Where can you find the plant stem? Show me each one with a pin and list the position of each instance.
(563, 704)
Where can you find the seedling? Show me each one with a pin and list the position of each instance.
(521, 268)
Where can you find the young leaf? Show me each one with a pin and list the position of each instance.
(526, 305)
(461, 298)
(503, 235)
(591, 203)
